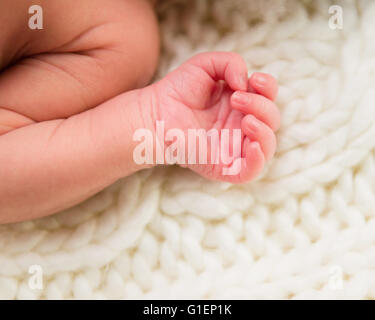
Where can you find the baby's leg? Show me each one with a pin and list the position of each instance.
(87, 52)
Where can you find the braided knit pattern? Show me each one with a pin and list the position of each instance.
(307, 222)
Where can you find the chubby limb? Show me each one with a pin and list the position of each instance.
(49, 166)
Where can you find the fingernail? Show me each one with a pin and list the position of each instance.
(241, 98)
(260, 79)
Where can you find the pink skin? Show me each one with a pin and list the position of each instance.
(193, 97)
(51, 165)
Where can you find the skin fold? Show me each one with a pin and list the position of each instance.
(73, 94)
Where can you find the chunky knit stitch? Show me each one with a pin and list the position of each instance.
(304, 229)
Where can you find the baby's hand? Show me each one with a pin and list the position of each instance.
(212, 91)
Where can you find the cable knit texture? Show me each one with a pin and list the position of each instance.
(304, 229)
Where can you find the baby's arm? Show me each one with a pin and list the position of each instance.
(52, 165)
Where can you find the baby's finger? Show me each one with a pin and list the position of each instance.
(258, 131)
(264, 84)
(250, 166)
(228, 66)
(257, 105)
(252, 162)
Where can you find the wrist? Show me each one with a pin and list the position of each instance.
(143, 129)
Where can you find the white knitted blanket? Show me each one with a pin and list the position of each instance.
(304, 229)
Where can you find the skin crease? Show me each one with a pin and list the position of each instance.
(64, 138)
